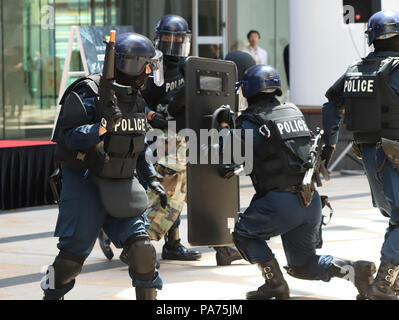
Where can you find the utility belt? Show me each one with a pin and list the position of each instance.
(293, 189)
(305, 195)
(390, 148)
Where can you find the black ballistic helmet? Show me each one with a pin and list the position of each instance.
(133, 52)
(261, 78)
(172, 36)
(243, 61)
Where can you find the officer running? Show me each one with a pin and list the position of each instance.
(368, 96)
(98, 153)
(281, 143)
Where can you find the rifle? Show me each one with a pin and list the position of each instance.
(107, 80)
(315, 165)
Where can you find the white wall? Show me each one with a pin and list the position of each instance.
(390, 4)
(320, 48)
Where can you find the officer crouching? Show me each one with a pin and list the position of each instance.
(99, 150)
(281, 144)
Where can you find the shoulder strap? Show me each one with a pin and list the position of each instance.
(255, 118)
(92, 81)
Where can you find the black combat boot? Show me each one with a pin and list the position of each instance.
(105, 245)
(360, 273)
(226, 255)
(124, 258)
(275, 285)
(146, 293)
(174, 250)
(382, 287)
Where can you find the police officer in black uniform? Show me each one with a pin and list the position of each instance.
(281, 144)
(99, 151)
(368, 93)
(166, 103)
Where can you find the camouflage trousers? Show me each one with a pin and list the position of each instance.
(161, 220)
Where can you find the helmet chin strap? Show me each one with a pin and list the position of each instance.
(137, 82)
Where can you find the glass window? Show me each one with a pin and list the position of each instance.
(14, 71)
(210, 17)
(213, 51)
(271, 19)
(34, 38)
(144, 15)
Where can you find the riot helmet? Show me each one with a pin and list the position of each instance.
(261, 78)
(243, 61)
(172, 36)
(383, 25)
(133, 52)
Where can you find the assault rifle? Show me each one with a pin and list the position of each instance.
(107, 81)
(315, 165)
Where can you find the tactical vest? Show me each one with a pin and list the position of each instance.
(116, 156)
(154, 95)
(280, 160)
(371, 105)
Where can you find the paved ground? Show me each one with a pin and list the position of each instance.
(26, 245)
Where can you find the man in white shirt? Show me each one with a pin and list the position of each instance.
(259, 54)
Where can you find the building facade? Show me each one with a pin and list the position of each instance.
(34, 37)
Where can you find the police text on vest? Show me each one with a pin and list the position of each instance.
(359, 85)
(131, 125)
(292, 126)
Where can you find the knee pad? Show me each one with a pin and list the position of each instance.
(66, 268)
(142, 258)
(241, 244)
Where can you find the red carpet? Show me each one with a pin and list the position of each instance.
(20, 143)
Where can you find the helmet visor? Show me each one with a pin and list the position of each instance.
(135, 66)
(173, 43)
(156, 64)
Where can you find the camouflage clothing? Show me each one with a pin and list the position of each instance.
(172, 171)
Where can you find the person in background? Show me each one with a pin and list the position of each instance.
(259, 54)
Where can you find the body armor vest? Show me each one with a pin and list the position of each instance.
(116, 156)
(174, 79)
(280, 160)
(371, 105)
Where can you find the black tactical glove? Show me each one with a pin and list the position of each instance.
(327, 154)
(112, 116)
(158, 121)
(227, 171)
(155, 185)
(225, 116)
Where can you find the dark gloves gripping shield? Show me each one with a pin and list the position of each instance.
(155, 185)
(159, 120)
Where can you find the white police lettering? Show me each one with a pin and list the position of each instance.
(170, 86)
(131, 125)
(292, 126)
(359, 85)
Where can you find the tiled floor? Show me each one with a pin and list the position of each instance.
(26, 245)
